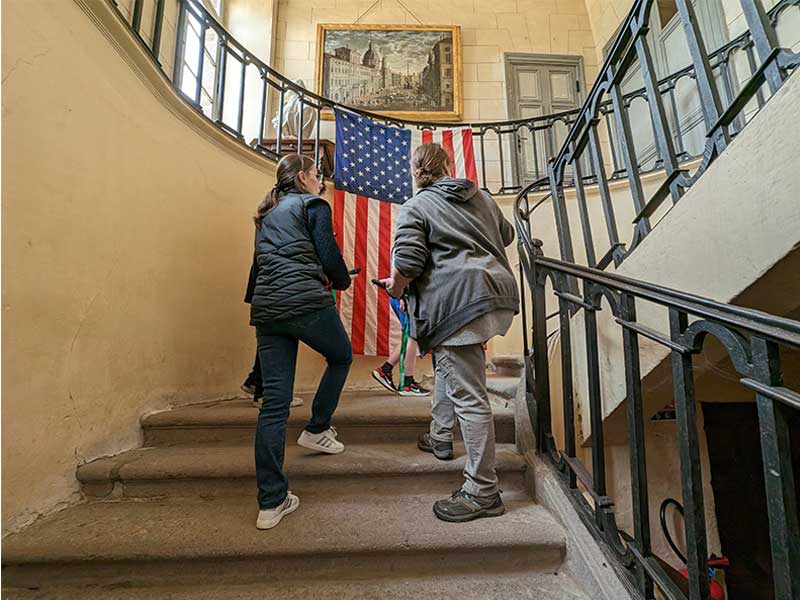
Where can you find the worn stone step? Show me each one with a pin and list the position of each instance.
(508, 365)
(362, 469)
(201, 541)
(504, 388)
(366, 416)
(520, 586)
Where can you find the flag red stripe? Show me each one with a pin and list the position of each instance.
(338, 229)
(469, 155)
(427, 136)
(384, 270)
(360, 281)
(447, 144)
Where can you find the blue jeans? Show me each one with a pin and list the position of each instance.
(277, 350)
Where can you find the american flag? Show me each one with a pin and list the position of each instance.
(372, 178)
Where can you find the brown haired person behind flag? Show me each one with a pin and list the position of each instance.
(450, 248)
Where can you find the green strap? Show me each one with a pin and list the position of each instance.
(406, 325)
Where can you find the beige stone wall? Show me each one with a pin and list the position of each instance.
(126, 239)
(605, 16)
(488, 30)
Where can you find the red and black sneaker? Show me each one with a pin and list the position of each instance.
(384, 378)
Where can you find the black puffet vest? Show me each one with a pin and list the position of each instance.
(290, 281)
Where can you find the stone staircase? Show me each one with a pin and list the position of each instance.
(176, 518)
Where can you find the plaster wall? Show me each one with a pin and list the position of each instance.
(126, 238)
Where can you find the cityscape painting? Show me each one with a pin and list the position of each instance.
(404, 71)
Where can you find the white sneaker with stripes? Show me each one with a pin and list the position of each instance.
(321, 442)
(270, 517)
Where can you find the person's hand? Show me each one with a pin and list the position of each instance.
(391, 287)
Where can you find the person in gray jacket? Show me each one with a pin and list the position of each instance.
(449, 250)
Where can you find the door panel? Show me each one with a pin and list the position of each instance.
(540, 88)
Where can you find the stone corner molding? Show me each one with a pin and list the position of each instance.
(106, 19)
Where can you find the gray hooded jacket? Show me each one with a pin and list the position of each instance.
(451, 239)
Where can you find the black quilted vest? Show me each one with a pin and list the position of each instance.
(290, 282)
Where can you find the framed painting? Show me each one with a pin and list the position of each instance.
(401, 71)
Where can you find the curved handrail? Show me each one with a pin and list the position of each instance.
(505, 131)
(723, 120)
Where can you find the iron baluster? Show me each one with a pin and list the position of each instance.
(628, 151)
(689, 449)
(537, 171)
(201, 55)
(776, 452)
(539, 412)
(751, 61)
(302, 103)
(517, 146)
(583, 212)
(636, 442)
(567, 392)
(316, 138)
(262, 119)
(242, 81)
(562, 220)
(666, 150)
(220, 74)
(279, 133)
(706, 84)
(611, 136)
(602, 188)
(676, 120)
(502, 160)
(483, 159)
(765, 40)
(595, 402)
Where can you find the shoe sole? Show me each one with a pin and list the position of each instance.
(417, 394)
(292, 507)
(383, 383)
(430, 450)
(318, 448)
(487, 512)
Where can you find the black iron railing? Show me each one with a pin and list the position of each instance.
(216, 74)
(724, 114)
(754, 342)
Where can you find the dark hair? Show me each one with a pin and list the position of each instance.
(429, 163)
(289, 168)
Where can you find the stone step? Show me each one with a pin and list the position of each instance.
(362, 469)
(503, 387)
(213, 541)
(508, 365)
(520, 586)
(365, 416)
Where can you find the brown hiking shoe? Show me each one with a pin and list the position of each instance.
(441, 450)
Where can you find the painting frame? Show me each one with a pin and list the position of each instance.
(412, 115)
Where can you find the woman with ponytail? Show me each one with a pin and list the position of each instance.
(297, 264)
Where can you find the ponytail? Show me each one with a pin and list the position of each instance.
(289, 168)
